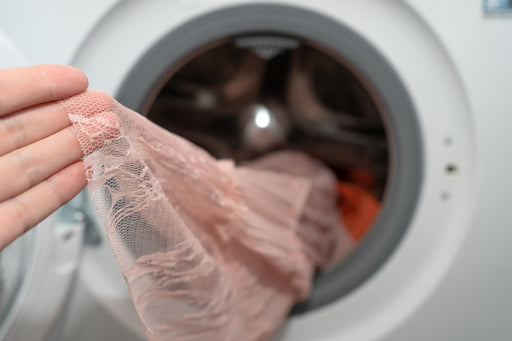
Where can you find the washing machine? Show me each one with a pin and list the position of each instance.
(410, 98)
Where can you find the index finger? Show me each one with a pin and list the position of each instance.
(27, 86)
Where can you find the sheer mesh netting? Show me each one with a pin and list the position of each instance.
(209, 250)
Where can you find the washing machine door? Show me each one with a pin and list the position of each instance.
(36, 270)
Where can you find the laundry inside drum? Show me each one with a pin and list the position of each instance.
(247, 96)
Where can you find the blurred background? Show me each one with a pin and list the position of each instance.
(407, 101)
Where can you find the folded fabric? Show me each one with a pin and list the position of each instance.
(209, 250)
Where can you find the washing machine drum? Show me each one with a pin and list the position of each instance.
(249, 95)
(241, 93)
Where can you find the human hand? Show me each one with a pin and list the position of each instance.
(40, 157)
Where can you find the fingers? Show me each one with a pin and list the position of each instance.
(40, 151)
(24, 87)
(28, 166)
(37, 122)
(19, 214)
(30, 125)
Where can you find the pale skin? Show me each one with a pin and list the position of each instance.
(40, 157)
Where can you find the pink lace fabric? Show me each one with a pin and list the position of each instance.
(209, 250)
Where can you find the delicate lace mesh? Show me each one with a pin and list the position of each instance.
(209, 251)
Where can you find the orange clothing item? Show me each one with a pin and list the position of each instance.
(358, 207)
